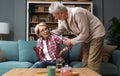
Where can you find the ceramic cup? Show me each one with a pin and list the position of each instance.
(51, 70)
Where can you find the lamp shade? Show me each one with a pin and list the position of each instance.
(4, 28)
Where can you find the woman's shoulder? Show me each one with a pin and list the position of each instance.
(55, 36)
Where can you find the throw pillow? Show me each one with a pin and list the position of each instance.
(2, 58)
(36, 51)
(107, 52)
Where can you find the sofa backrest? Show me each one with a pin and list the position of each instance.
(10, 50)
(26, 52)
(74, 53)
(22, 50)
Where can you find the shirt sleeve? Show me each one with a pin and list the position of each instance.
(60, 40)
(60, 28)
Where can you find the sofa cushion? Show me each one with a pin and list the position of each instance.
(76, 64)
(26, 52)
(10, 50)
(7, 66)
(108, 69)
(4, 71)
(75, 52)
(15, 64)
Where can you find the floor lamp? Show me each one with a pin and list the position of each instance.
(4, 29)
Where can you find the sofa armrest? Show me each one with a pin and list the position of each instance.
(115, 57)
(115, 60)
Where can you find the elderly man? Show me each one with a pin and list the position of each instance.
(87, 28)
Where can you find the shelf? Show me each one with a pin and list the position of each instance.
(32, 34)
(45, 22)
(37, 11)
(43, 12)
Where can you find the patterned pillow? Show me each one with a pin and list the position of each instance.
(36, 51)
(2, 58)
(107, 52)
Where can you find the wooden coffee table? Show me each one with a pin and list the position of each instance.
(43, 72)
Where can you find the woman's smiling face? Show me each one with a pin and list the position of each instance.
(44, 32)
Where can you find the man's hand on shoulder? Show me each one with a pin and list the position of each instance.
(67, 42)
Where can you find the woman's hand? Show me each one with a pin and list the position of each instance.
(61, 52)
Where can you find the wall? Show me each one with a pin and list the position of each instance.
(20, 20)
(14, 12)
(111, 9)
(7, 15)
(98, 9)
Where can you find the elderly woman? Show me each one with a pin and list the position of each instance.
(48, 46)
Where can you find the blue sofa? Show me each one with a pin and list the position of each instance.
(20, 54)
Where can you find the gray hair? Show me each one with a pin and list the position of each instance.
(56, 7)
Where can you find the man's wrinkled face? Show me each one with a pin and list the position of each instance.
(60, 16)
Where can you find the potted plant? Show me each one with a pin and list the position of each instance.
(114, 32)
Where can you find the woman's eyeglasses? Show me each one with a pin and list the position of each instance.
(45, 29)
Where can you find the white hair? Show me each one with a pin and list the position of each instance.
(56, 7)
